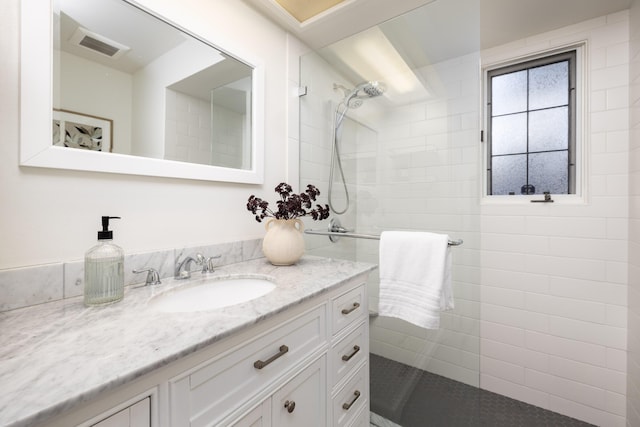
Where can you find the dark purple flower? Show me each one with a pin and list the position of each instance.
(290, 205)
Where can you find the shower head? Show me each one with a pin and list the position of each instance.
(369, 89)
(353, 98)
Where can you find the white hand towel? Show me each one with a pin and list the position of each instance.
(415, 277)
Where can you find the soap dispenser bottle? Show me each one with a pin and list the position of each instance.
(104, 269)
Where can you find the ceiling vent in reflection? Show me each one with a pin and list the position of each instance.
(97, 43)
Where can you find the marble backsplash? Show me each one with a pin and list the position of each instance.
(26, 286)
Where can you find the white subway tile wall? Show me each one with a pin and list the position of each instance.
(615, 359)
(191, 137)
(554, 277)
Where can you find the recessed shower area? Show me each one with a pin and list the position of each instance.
(390, 132)
(390, 126)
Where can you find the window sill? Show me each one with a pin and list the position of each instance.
(519, 200)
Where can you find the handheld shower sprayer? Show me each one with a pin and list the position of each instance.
(353, 98)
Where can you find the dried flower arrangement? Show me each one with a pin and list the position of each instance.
(290, 205)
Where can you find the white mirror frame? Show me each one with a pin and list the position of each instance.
(36, 89)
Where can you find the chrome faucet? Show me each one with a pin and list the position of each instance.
(182, 268)
(208, 266)
(153, 278)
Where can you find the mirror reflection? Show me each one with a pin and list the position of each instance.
(126, 82)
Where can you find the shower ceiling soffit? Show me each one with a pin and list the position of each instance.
(306, 9)
(335, 19)
(501, 21)
(400, 50)
(370, 55)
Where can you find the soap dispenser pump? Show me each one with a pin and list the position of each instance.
(104, 269)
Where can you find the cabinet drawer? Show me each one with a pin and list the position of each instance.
(362, 419)
(212, 390)
(348, 308)
(350, 400)
(136, 415)
(348, 353)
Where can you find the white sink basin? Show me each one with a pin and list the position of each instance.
(210, 294)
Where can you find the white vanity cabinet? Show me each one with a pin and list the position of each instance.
(311, 370)
(304, 366)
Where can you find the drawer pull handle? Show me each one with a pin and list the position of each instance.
(346, 311)
(290, 405)
(347, 406)
(259, 364)
(347, 357)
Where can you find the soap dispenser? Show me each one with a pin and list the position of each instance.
(104, 269)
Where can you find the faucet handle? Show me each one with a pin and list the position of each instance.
(207, 265)
(153, 278)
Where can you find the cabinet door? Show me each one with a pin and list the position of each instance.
(302, 401)
(259, 417)
(136, 415)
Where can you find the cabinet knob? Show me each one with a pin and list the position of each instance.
(290, 405)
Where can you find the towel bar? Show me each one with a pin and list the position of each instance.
(457, 242)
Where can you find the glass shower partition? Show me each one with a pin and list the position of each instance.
(410, 160)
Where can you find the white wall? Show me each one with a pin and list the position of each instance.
(110, 95)
(554, 276)
(633, 356)
(49, 216)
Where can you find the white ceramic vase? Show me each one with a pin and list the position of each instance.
(283, 243)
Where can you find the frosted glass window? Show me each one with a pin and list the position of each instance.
(509, 134)
(509, 93)
(548, 85)
(547, 172)
(548, 129)
(509, 174)
(531, 126)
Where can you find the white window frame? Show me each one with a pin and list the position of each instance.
(581, 134)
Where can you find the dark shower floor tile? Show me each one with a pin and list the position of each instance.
(411, 397)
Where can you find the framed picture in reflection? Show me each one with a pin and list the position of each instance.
(82, 131)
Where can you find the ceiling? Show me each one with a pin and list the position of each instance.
(306, 9)
(500, 21)
(148, 40)
(507, 20)
(384, 40)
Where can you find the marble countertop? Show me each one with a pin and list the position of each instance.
(56, 355)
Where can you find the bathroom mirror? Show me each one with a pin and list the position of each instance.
(108, 86)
